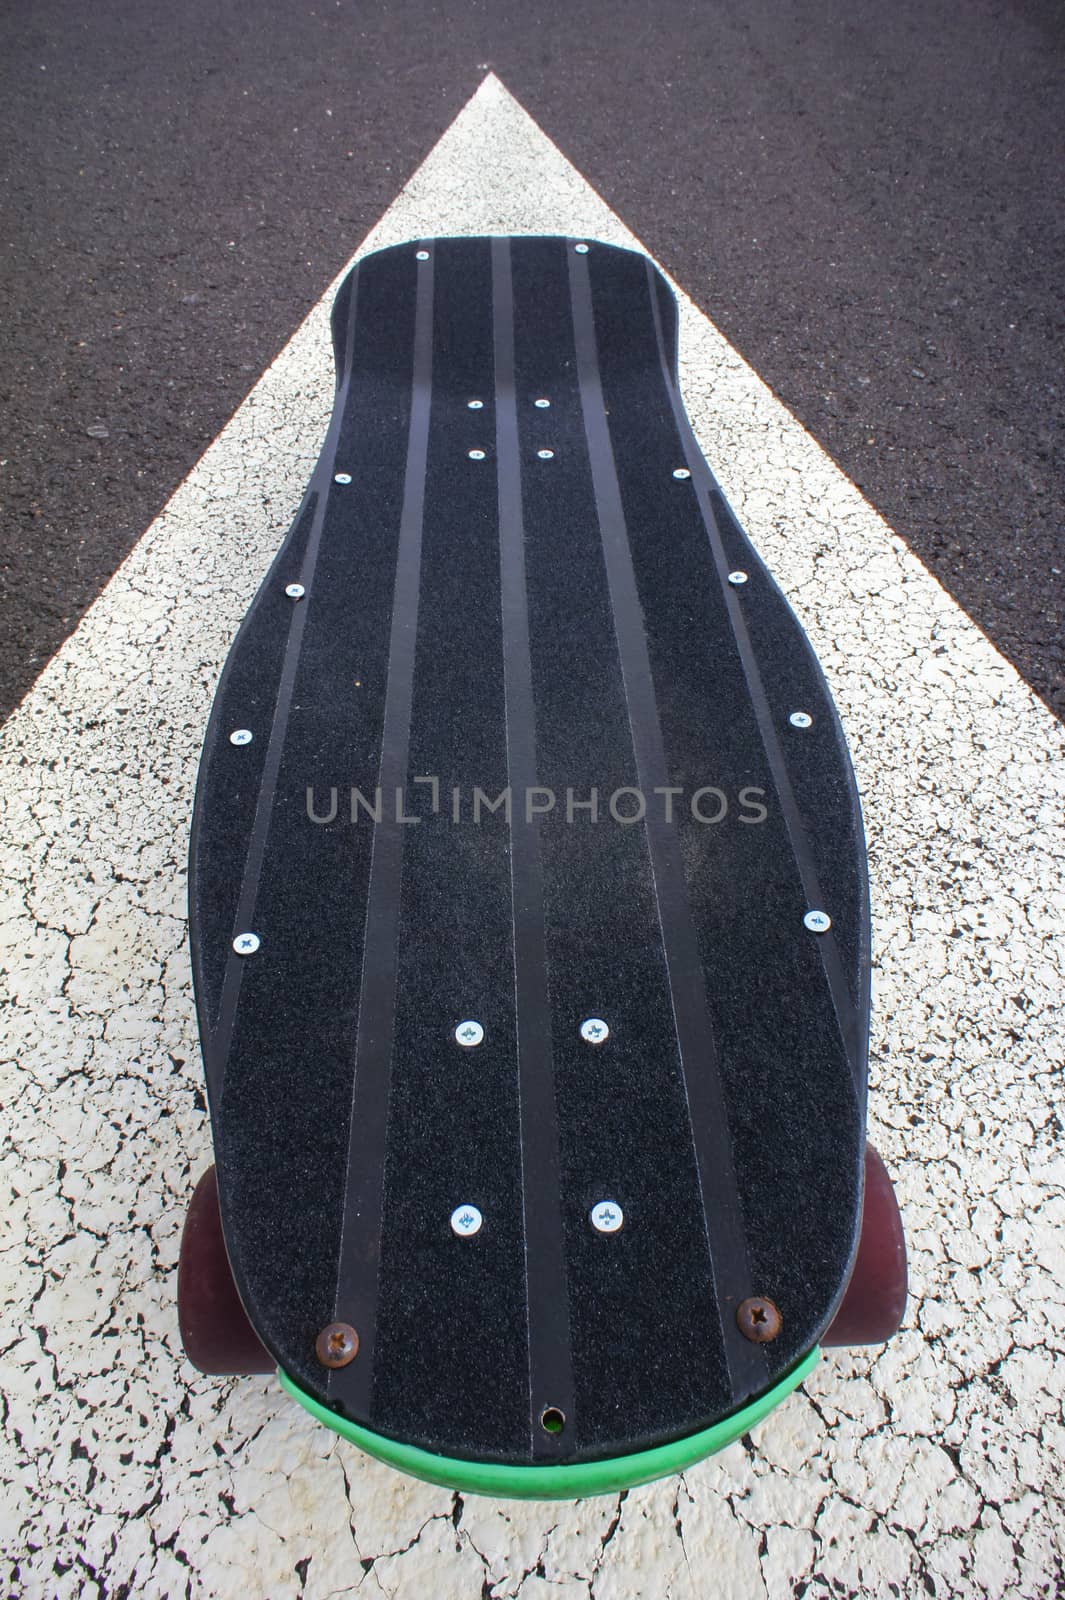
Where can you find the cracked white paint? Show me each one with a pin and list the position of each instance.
(931, 1467)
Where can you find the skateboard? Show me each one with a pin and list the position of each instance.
(528, 914)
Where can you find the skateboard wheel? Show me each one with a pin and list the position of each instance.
(875, 1299)
(215, 1330)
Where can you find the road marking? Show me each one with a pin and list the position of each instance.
(962, 773)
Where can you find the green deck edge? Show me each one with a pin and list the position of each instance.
(571, 1482)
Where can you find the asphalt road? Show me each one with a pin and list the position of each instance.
(867, 200)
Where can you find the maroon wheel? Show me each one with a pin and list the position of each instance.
(215, 1330)
(875, 1299)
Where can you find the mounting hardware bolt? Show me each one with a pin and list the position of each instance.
(241, 736)
(246, 944)
(341, 477)
(337, 1344)
(737, 578)
(475, 405)
(581, 249)
(541, 404)
(680, 473)
(469, 1034)
(545, 455)
(295, 591)
(421, 255)
(466, 1221)
(475, 455)
(758, 1320)
(607, 1216)
(801, 719)
(594, 1030)
(817, 921)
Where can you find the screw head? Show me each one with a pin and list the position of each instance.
(801, 719)
(246, 944)
(466, 1221)
(469, 1034)
(737, 578)
(541, 404)
(581, 249)
(475, 405)
(546, 455)
(817, 921)
(295, 591)
(241, 736)
(341, 477)
(475, 455)
(337, 1344)
(607, 1216)
(680, 473)
(421, 255)
(594, 1030)
(758, 1319)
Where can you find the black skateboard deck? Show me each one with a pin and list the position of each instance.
(528, 902)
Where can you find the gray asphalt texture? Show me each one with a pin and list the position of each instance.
(867, 200)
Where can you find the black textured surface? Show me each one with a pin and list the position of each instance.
(451, 1305)
(767, 1204)
(868, 203)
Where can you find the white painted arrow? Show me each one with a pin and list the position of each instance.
(962, 778)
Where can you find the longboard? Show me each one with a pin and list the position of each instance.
(528, 913)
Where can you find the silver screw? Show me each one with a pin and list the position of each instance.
(240, 736)
(581, 249)
(542, 405)
(607, 1216)
(737, 578)
(466, 1221)
(469, 1034)
(681, 473)
(421, 255)
(295, 591)
(342, 477)
(246, 944)
(594, 1030)
(801, 719)
(818, 921)
(475, 455)
(546, 455)
(475, 405)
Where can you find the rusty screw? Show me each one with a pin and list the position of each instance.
(759, 1320)
(337, 1344)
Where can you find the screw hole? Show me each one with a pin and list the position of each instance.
(552, 1420)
